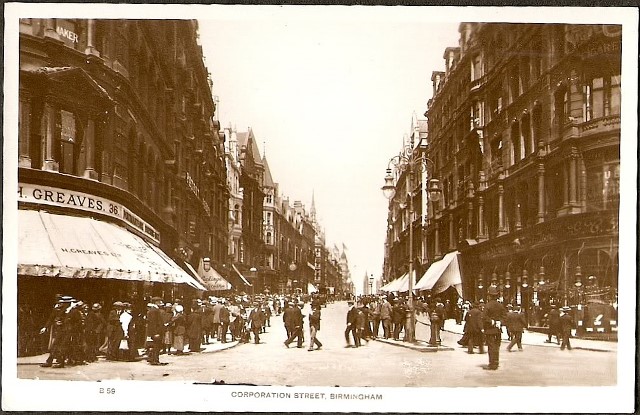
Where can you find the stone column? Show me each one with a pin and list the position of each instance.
(89, 145)
(91, 36)
(436, 252)
(481, 235)
(573, 180)
(583, 184)
(24, 116)
(565, 186)
(48, 133)
(541, 191)
(501, 227)
(50, 29)
(452, 243)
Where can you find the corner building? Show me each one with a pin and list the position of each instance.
(524, 130)
(122, 183)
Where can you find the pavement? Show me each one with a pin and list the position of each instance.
(529, 338)
(206, 348)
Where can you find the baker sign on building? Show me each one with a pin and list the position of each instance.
(52, 196)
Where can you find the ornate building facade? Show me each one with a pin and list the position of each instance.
(524, 131)
(116, 126)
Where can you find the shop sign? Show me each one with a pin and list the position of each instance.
(52, 196)
(66, 32)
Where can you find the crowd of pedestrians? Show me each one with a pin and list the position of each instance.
(80, 333)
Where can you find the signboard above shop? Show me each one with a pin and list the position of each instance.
(52, 196)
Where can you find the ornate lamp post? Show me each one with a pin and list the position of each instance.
(371, 284)
(409, 161)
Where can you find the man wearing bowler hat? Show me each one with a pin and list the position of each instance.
(566, 323)
(494, 315)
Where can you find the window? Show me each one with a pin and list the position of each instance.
(67, 148)
(601, 97)
(603, 186)
(269, 198)
(269, 238)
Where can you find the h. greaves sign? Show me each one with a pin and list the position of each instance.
(52, 196)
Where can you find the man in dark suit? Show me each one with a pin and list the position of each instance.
(351, 325)
(256, 321)
(566, 324)
(553, 319)
(474, 329)
(287, 316)
(494, 315)
(399, 316)
(296, 327)
(155, 330)
(516, 323)
(314, 327)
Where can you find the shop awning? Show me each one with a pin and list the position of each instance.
(404, 286)
(244, 280)
(212, 278)
(191, 271)
(394, 285)
(51, 245)
(311, 288)
(442, 275)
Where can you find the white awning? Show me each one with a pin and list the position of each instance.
(404, 286)
(311, 288)
(51, 245)
(395, 285)
(244, 280)
(212, 278)
(442, 275)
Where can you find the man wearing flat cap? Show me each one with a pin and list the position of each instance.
(494, 315)
(155, 330)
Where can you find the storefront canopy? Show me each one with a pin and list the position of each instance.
(395, 285)
(64, 246)
(212, 278)
(244, 280)
(442, 275)
(404, 286)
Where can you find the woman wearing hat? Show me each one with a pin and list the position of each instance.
(179, 329)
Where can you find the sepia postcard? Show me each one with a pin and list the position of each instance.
(248, 208)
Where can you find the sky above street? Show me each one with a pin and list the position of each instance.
(329, 97)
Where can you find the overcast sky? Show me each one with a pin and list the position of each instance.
(331, 97)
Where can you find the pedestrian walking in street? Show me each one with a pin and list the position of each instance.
(399, 316)
(474, 329)
(178, 325)
(494, 316)
(553, 320)
(194, 324)
(386, 312)
(225, 319)
(287, 318)
(95, 325)
(351, 325)
(55, 324)
(127, 350)
(256, 321)
(155, 328)
(516, 323)
(314, 327)
(167, 338)
(376, 308)
(114, 330)
(566, 324)
(217, 307)
(207, 322)
(296, 326)
(361, 324)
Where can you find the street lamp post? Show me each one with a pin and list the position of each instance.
(408, 160)
(371, 285)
